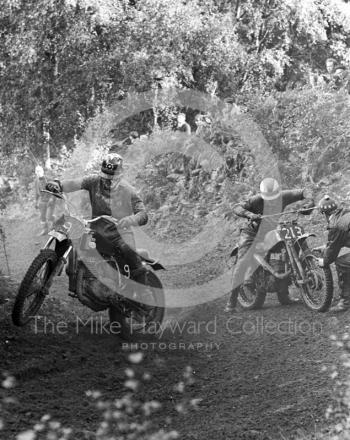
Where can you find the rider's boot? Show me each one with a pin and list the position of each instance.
(344, 303)
(231, 305)
(45, 229)
(342, 306)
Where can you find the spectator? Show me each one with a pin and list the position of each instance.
(341, 78)
(335, 78)
(330, 65)
(182, 125)
(202, 122)
(43, 201)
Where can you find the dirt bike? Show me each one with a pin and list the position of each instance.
(284, 259)
(97, 278)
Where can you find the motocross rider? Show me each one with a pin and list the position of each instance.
(338, 220)
(271, 200)
(112, 197)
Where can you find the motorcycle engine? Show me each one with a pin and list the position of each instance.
(99, 287)
(277, 262)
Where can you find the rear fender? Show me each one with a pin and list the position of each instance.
(155, 265)
(147, 259)
(234, 252)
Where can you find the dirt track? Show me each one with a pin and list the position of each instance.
(257, 380)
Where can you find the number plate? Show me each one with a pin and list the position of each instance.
(58, 235)
(291, 232)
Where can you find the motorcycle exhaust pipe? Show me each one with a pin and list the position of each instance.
(266, 266)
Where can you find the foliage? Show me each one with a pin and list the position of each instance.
(308, 130)
(63, 60)
(126, 417)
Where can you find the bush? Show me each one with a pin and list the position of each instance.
(308, 130)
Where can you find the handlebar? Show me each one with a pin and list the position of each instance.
(279, 214)
(107, 217)
(299, 211)
(58, 195)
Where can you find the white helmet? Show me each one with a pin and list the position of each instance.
(270, 189)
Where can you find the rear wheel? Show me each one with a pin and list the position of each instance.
(317, 292)
(144, 317)
(31, 293)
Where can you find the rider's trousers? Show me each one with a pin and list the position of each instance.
(342, 265)
(242, 270)
(108, 231)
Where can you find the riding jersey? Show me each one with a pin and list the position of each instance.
(257, 205)
(115, 198)
(338, 235)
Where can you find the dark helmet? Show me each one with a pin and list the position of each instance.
(112, 164)
(269, 189)
(327, 205)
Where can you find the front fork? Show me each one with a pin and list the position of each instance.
(296, 264)
(48, 243)
(59, 266)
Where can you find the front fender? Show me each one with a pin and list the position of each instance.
(304, 252)
(305, 236)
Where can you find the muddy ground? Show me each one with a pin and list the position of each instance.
(260, 375)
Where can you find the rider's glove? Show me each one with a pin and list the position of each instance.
(255, 217)
(54, 187)
(307, 193)
(126, 222)
(307, 208)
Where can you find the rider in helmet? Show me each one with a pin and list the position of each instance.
(271, 200)
(112, 197)
(338, 220)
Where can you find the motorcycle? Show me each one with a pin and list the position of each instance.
(97, 278)
(284, 258)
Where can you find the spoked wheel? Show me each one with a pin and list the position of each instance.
(317, 293)
(31, 291)
(143, 317)
(252, 297)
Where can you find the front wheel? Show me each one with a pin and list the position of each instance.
(31, 294)
(141, 318)
(252, 297)
(317, 292)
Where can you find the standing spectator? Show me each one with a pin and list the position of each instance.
(64, 155)
(330, 66)
(331, 79)
(182, 125)
(341, 78)
(202, 122)
(43, 201)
